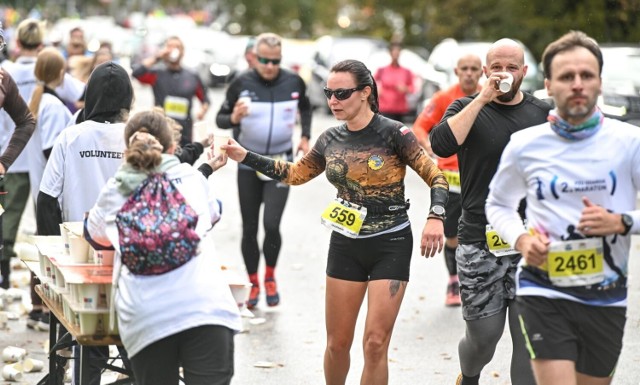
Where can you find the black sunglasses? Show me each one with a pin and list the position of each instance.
(265, 61)
(341, 93)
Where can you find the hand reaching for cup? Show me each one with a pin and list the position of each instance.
(234, 150)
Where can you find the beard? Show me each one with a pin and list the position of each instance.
(509, 96)
(577, 113)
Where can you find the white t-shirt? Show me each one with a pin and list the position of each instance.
(53, 117)
(554, 174)
(153, 307)
(22, 73)
(83, 158)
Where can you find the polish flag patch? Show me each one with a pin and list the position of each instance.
(404, 130)
(295, 95)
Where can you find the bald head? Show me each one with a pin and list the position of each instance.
(469, 70)
(506, 55)
(506, 46)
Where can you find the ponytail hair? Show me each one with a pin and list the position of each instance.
(49, 68)
(362, 76)
(148, 136)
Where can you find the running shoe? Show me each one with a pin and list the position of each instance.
(273, 298)
(453, 294)
(253, 296)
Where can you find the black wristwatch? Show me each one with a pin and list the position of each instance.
(627, 222)
(437, 211)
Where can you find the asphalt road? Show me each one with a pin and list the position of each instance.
(285, 344)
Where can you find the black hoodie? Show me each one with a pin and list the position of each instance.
(108, 93)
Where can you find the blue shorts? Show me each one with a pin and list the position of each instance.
(386, 256)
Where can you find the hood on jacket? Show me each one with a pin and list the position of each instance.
(108, 92)
(128, 178)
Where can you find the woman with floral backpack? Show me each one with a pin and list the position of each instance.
(172, 310)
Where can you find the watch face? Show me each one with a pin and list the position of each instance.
(627, 220)
(438, 210)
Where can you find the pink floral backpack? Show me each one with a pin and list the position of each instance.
(156, 227)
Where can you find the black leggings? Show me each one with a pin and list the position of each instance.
(253, 192)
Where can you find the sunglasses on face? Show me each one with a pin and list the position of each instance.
(265, 61)
(341, 93)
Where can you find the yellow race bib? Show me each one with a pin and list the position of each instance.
(176, 107)
(577, 262)
(453, 178)
(498, 246)
(344, 217)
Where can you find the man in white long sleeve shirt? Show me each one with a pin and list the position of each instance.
(581, 212)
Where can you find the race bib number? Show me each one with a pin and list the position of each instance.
(344, 217)
(498, 246)
(453, 178)
(576, 263)
(265, 178)
(176, 107)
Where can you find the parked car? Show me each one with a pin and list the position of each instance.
(328, 50)
(445, 54)
(620, 98)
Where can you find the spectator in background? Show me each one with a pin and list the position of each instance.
(18, 112)
(394, 84)
(468, 70)
(29, 42)
(174, 87)
(52, 116)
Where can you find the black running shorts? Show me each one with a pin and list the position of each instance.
(386, 256)
(558, 329)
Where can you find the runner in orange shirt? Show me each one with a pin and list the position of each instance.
(469, 71)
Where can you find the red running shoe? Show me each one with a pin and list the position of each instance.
(253, 296)
(453, 294)
(273, 298)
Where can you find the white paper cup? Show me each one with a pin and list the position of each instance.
(11, 373)
(78, 249)
(201, 130)
(89, 295)
(246, 100)
(13, 354)
(103, 257)
(505, 83)
(65, 237)
(30, 365)
(240, 293)
(218, 140)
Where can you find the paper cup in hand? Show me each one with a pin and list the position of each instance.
(30, 365)
(201, 130)
(11, 373)
(78, 249)
(219, 140)
(13, 354)
(246, 100)
(504, 85)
